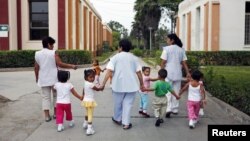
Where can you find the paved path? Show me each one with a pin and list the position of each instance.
(17, 85)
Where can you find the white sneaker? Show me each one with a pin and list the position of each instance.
(85, 125)
(201, 112)
(90, 131)
(71, 123)
(191, 124)
(60, 128)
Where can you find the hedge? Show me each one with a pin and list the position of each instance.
(25, 58)
(230, 85)
(222, 58)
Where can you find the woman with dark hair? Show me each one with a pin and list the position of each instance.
(173, 59)
(125, 69)
(46, 65)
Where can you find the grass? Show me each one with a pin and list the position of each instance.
(150, 61)
(104, 56)
(232, 74)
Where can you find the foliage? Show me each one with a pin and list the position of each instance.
(223, 83)
(148, 14)
(25, 58)
(233, 58)
(117, 27)
(116, 39)
(137, 52)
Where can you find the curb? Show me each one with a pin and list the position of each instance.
(230, 110)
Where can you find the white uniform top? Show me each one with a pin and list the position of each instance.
(63, 92)
(45, 58)
(124, 66)
(174, 55)
(88, 91)
(194, 93)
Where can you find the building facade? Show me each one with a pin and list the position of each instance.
(214, 25)
(74, 24)
(107, 34)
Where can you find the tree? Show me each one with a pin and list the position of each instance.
(116, 26)
(149, 13)
(171, 6)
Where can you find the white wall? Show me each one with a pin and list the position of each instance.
(232, 24)
(232, 31)
(187, 6)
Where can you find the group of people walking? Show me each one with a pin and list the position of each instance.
(125, 70)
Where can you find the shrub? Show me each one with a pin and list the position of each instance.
(26, 58)
(137, 52)
(221, 86)
(229, 58)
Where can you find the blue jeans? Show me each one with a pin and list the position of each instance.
(123, 103)
(143, 101)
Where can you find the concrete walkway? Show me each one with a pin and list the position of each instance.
(20, 86)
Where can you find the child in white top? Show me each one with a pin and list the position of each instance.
(196, 96)
(144, 95)
(63, 99)
(88, 100)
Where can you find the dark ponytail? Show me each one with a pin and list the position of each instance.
(176, 39)
(88, 72)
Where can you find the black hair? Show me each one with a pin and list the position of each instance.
(176, 39)
(88, 72)
(48, 40)
(197, 75)
(125, 44)
(63, 76)
(97, 61)
(162, 73)
(145, 67)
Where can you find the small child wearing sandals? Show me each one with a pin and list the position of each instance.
(89, 102)
(63, 104)
(144, 95)
(196, 96)
(98, 71)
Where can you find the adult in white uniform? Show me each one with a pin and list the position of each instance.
(126, 71)
(173, 59)
(46, 62)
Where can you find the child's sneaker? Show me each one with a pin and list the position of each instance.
(191, 124)
(201, 112)
(71, 123)
(90, 130)
(145, 115)
(60, 128)
(85, 125)
(158, 122)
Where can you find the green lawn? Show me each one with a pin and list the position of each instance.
(104, 56)
(232, 74)
(230, 84)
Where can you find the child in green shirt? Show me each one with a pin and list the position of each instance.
(161, 88)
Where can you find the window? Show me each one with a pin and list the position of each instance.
(39, 21)
(247, 24)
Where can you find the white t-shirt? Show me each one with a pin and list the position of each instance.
(174, 55)
(194, 93)
(88, 91)
(124, 66)
(45, 58)
(63, 92)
